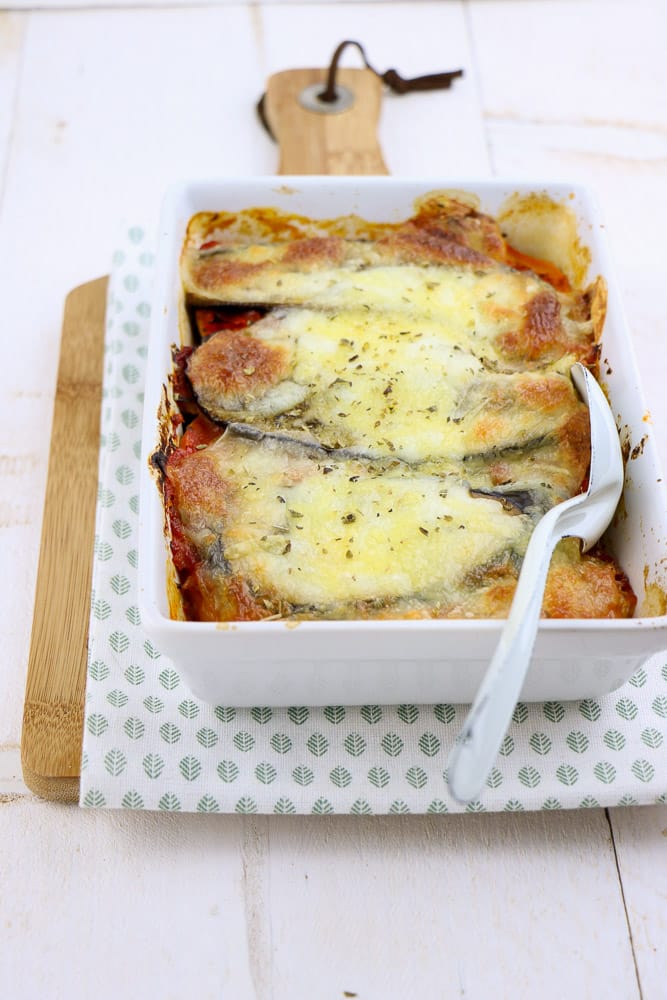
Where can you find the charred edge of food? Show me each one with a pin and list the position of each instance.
(209, 413)
(158, 461)
(506, 562)
(532, 444)
(525, 501)
(279, 420)
(181, 386)
(253, 433)
(516, 501)
(167, 421)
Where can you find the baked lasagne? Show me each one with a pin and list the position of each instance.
(366, 420)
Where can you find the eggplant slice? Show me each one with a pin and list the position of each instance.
(395, 412)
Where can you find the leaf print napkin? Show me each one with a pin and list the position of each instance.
(149, 744)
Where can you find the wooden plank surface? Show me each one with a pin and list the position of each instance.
(640, 837)
(314, 908)
(56, 682)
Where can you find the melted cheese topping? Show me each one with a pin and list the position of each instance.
(320, 533)
(392, 383)
(397, 421)
(405, 287)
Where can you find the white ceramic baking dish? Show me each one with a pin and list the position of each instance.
(390, 662)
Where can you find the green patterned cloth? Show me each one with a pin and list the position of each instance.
(149, 744)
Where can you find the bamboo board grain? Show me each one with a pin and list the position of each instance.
(314, 143)
(310, 143)
(56, 681)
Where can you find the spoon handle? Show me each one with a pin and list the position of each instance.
(486, 723)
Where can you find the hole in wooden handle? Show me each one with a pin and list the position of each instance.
(315, 98)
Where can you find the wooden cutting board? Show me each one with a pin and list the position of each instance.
(56, 683)
(343, 142)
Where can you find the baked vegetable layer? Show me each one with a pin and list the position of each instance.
(281, 528)
(375, 417)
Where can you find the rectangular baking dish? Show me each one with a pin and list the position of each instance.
(390, 662)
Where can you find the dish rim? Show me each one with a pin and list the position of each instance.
(171, 238)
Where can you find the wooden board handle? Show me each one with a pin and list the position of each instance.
(56, 681)
(343, 142)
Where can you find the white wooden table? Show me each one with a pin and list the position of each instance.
(99, 110)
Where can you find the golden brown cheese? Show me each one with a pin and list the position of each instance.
(398, 411)
(378, 388)
(532, 319)
(320, 533)
(331, 537)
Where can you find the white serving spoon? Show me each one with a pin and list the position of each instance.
(585, 516)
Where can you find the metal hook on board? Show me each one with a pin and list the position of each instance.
(334, 98)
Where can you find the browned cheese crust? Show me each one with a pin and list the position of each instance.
(381, 414)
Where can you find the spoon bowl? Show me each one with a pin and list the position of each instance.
(584, 516)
